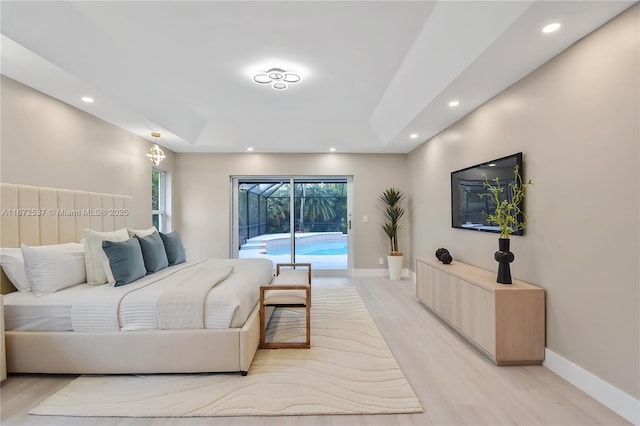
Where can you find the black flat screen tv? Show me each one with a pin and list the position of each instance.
(468, 210)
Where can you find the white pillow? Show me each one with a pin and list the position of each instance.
(51, 268)
(13, 266)
(141, 232)
(95, 259)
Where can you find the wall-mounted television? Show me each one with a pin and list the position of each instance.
(468, 209)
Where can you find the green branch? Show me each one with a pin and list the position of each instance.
(508, 214)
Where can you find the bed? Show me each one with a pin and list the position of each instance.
(45, 334)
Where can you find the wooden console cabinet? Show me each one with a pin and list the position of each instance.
(505, 322)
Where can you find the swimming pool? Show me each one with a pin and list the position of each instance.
(309, 244)
(327, 250)
(322, 248)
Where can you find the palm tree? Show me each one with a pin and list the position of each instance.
(320, 204)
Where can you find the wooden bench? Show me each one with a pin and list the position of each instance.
(291, 287)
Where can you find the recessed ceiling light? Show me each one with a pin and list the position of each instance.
(87, 99)
(551, 27)
(454, 103)
(250, 149)
(492, 165)
(332, 149)
(413, 136)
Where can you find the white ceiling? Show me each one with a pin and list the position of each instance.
(373, 72)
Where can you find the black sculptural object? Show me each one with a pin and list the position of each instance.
(443, 255)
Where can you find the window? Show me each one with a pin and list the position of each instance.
(158, 192)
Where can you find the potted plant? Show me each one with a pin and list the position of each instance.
(508, 215)
(391, 200)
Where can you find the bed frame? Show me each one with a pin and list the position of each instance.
(131, 352)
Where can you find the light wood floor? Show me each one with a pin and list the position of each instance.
(455, 384)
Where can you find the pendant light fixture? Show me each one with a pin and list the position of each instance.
(155, 154)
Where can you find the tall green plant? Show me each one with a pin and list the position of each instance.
(391, 200)
(508, 214)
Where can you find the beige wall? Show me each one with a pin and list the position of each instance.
(577, 121)
(45, 142)
(203, 193)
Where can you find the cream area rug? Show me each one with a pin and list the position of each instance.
(348, 370)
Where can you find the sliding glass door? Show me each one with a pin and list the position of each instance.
(293, 219)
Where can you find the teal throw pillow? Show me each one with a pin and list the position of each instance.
(174, 248)
(153, 252)
(125, 260)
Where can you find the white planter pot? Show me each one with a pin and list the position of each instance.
(395, 267)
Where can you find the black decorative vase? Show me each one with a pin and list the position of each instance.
(504, 257)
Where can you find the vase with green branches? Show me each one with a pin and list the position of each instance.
(508, 215)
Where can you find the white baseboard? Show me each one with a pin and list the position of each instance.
(618, 401)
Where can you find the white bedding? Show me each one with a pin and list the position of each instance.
(25, 312)
(133, 306)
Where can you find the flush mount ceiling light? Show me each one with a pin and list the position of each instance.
(278, 78)
(155, 154)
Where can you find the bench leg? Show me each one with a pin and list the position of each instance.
(309, 316)
(308, 326)
(262, 320)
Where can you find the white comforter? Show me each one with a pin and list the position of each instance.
(207, 294)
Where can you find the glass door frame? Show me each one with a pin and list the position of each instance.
(292, 180)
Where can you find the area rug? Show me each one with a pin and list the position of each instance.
(348, 370)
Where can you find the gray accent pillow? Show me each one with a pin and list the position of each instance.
(174, 248)
(153, 252)
(125, 260)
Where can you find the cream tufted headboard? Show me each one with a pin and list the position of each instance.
(36, 216)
